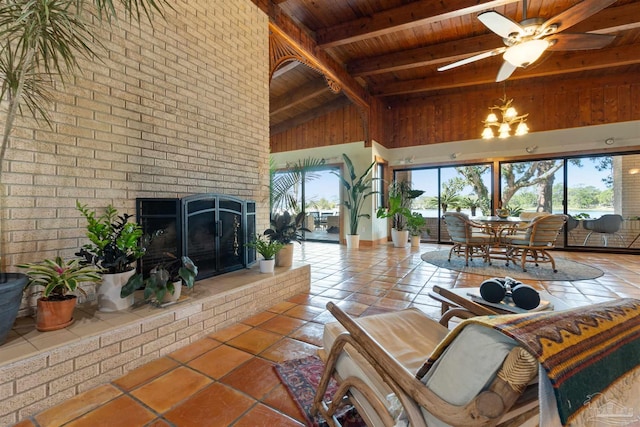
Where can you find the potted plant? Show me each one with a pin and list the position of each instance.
(165, 280)
(357, 189)
(268, 249)
(58, 278)
(286, 229)
(115, 244)
(401, 196)
(416, 224)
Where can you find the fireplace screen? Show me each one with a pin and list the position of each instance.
(211, 229)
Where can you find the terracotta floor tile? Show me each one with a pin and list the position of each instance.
(158, 423)
(254, 341)
(25, 423)
(288, 349)
(259, 318)
(145, 373)
(311, 333)
(262, 416)
(281, 400)
(281, 307)
(220, 361)
(282, 325)
(256, 378)
(123, 411)
(231, 332)
(352, 308)
(166, 391)
(304, 312)
(194, 350)
(215, 406)
(77, 405)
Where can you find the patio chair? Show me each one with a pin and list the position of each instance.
(404, 367)
(531, 243)
(375, 360)
(606, 225)
(469, 237)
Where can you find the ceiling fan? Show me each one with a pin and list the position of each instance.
(526, 41)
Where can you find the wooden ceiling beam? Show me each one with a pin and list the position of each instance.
(298, 96)
(404, 17)
(309, 115)
(559, 63)
(606, 22)
(305, 45)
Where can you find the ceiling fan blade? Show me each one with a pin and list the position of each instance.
(580, 41)
(500, 24)
(505, 71)
(483, 55)
(575, 14)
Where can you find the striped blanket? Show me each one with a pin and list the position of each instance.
(583, 351)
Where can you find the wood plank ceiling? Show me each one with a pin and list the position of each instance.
(392, 48)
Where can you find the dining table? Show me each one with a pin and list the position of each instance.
(498, 226)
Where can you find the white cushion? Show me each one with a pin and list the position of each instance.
(467, 366)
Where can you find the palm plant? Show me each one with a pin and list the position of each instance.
(41, 43)
(401, 196)
(284, 185)
(358, 189)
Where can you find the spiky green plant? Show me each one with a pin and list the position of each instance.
(358, 188)
(40, 44)
(59, 277)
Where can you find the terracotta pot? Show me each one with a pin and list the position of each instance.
(109, 292)
(267, 265)
(353, 241)
(284, 257)
(55, 314)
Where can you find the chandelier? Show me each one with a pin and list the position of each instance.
(509, 119)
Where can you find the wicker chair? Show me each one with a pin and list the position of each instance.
(468, 237)
(532, 242)
(377, 359)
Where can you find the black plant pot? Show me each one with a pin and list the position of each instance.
(11, 287)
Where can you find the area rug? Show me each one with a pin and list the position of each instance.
(567, 270)
(301, 378)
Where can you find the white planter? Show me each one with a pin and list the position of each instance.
(400, 238)
(175, 295)
(415, 241)
(109, 292)
(353, 241)
(267, 265)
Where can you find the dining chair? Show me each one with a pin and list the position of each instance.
(531, 243)
(469, 237)
(608, 224)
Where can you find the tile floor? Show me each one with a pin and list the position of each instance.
(227, 378)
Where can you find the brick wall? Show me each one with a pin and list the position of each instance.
(177, 109)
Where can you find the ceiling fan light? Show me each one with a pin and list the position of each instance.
(503, 135)
(504, 127)
(525, 53)
(487, 133)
